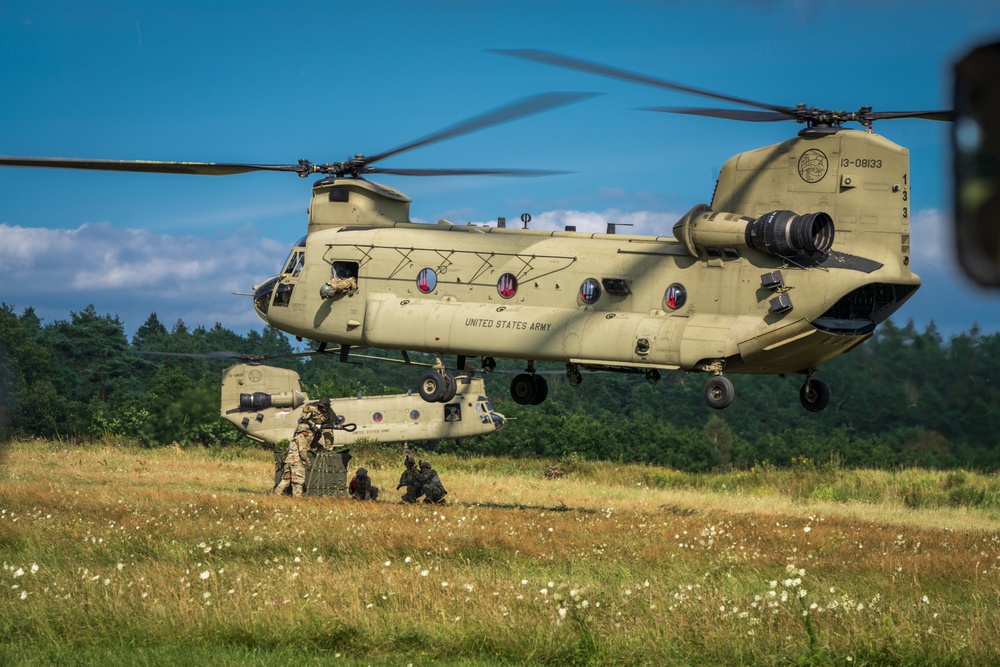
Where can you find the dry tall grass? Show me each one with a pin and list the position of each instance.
(118, 554)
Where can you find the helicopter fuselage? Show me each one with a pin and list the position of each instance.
(802, 253)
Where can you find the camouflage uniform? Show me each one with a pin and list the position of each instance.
(409, 478)
(316, 416)
(430, 484)
(296, 459)
(308, 433)
(361, 487)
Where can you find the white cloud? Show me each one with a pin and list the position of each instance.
(931, 240)
(646, 223)
(132, 273)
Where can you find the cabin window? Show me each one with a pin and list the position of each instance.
(344, 270)
(343, 280)
(590, 291)
(507, 285)
(453, 412)
(377, 417)
(675, 296)
(414, 415)
(426, 281)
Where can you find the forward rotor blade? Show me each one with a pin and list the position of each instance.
(729, 114)
(519, 109)
(581, 65)
(147, 166)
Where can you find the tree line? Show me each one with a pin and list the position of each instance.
(904, 397)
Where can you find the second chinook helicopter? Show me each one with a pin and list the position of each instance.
(265, 402)
(803, 251)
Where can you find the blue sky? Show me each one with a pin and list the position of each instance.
(268, 82)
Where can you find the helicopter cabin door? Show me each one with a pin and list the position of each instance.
(343, 309)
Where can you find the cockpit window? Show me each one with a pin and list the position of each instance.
(283, 294)
(296, 260)
(483, 409)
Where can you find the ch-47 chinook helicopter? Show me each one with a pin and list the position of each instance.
(803, 251)
(265, 402)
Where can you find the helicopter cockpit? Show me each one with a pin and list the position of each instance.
(487, 414)
(282, 285)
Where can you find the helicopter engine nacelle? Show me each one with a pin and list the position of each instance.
(778, 233)
(260, 400)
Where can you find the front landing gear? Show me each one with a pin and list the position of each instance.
(436, 386)
(719, 392)
(814, 395)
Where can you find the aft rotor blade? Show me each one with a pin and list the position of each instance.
(729, 114)
(464, 172)
(581, 65)
(196, 355)
(519, 109)
(148, 166)
(943, 115)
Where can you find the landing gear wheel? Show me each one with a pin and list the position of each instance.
(814, 395)
(432, 386)
(523, 389)
(719, 392)
(541, 390)
(450, 389)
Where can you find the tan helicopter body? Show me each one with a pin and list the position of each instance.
(752, 293)
(265, 402)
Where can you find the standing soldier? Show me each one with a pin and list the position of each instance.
(430, 484)
(309, 432)
(321, 420)
(296, 460)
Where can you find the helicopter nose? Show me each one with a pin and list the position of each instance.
(262, 297)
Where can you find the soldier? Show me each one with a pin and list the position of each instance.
(321, 420)
(409, 478)
(315, 427)
(430, 484)
(361, 487)
(296, 460)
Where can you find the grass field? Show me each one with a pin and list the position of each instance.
(115, 555)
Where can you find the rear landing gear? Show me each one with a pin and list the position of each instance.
(528, 389)
(719, 392)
